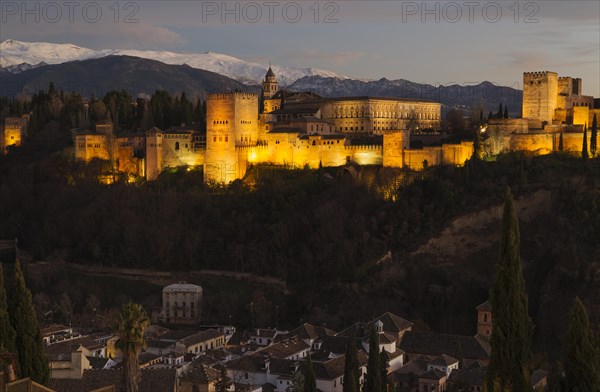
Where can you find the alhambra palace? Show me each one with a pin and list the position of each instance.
(303, 129)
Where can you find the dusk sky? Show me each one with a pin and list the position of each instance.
(370, 40)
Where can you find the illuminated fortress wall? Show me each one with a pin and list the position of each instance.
(446, 154)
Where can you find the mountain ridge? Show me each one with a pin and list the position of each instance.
(13, 53)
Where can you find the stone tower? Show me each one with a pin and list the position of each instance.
(231, 124)
(540, 95)
(154, 153)
(270, 85)
(484, 320)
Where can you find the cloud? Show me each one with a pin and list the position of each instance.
(528, 60)
(326, 58)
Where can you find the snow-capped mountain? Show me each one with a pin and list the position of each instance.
(16, 55)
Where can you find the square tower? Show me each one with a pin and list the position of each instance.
(231, 122)
(540, 95)
(484, 320)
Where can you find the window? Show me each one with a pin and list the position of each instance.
(485, 318)
(246, 376)
(176, 146)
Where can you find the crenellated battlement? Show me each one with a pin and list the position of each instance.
(537, 74)
(230, 95)
(364, 147)
(255, 147)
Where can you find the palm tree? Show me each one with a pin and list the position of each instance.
(131, 325)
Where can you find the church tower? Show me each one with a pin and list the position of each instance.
(270, 85)
(484, 320)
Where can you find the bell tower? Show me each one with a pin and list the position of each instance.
(484, 320)
(270, 84)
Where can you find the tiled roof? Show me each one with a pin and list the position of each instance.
(69, 346)
(470, 377)
(392, 323)
(486, 306)
(249, 363)
(437, 344)
(97, 363)
(52, 329)
(175, 336)
(393, 355)
(432, 374)
(153, 380)
(336, 344)
(416, 366)
(444, 360)
(386, 338)
(160, 344)
(284, 367)
(146, 358)
(200, 337)
(334, 368)
(310, 331)
(285, 348)
(201, 374)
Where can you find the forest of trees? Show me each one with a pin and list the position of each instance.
(71, 110)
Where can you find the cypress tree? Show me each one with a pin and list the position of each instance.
(500, 111)
(561, 146)
(310, 381)
(477, 146)
(351, 370)
(584, 148)
(29, 344)
(556, 379)
(594, 137)
(383, 363)
(512, 329)
(481, 117)
(7, 332)
(297, 384)
(223, 382)
(582, 371)
(490, 116)
(506, 112)
(373, 378)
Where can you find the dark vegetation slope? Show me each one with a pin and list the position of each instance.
(324, 232)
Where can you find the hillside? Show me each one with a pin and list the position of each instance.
(325, 234)
(136, 75)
